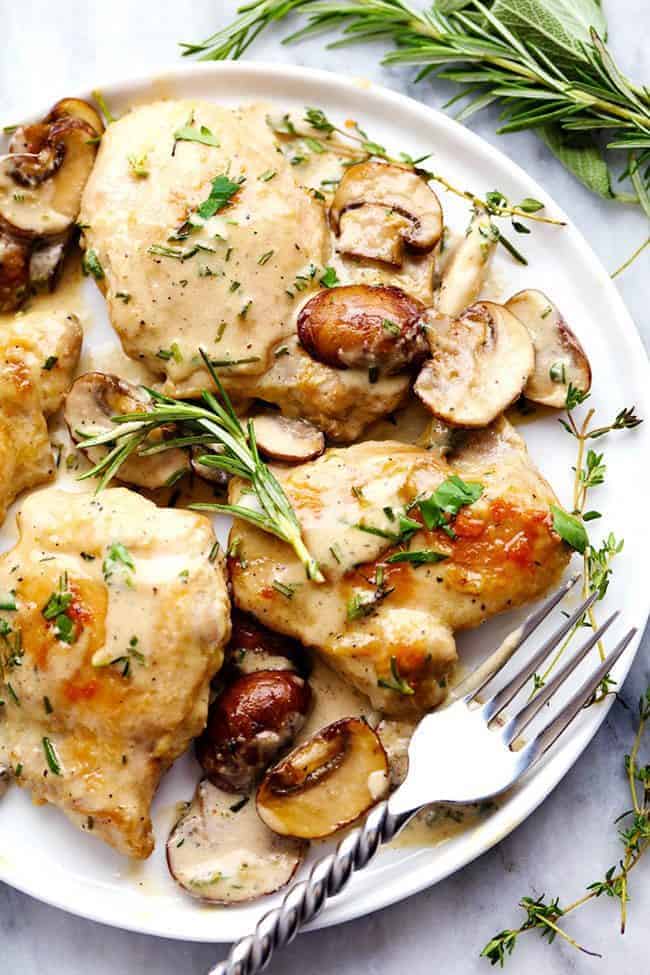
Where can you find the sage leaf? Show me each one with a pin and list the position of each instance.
(584, 160)
(557, 27)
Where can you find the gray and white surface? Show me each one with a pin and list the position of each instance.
(49, 50)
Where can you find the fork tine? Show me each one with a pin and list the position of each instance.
(543, 741)
(529, 626)
(520, 721)
(496, 704)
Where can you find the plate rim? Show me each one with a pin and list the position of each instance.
(561, 759)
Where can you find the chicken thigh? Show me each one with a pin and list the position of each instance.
(396, 590)
(39, 352)
(113, 616)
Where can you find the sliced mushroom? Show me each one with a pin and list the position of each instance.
(249, 724)
(79, 109)
(222, 853)
(325, 783)
(371, 194)
(362, 326)
(481, 363)
(253, 647)
(46, 261)
(213, 474)
(290, 441)
(93, 400)
(41, 185)
(467, 267)
(560, 359)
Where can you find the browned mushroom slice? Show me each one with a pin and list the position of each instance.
(467, 267)
(93, 400)
(287, 440)
(79, 109)
(46, 261)
(250, 724)
(362, 326)
(481, 363)
(41, 186)
(325, 783)
(222, 853)
(14, 271)
(560, 360)
(379, 208)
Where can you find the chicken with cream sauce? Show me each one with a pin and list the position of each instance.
(388, 626)
(113, 616)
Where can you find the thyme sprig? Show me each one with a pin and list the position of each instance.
(214, 424)
(634, 834)
(548, 68)
(589, 472)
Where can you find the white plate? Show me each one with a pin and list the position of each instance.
(42, 854)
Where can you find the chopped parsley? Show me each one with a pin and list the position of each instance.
(222, 191)
(557, 372)
(189, 133)
(118, 558)
(329, 278)
(284, 589)
(8, 602)
(56, 611)
(265, 258)
(447, 500)
(138, 165)
(50, 362)
(90, 264)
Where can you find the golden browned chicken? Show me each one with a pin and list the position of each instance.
(396, 589)
(39, 351)
(113, 615)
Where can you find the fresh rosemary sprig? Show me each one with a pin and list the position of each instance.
(635, 837)
(589, 472)
(546, 65)
(213, 424)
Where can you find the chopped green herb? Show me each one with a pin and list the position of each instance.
(570, 529)
(285, 590)
(396, 682)
(557, 372)
(329, 278)
(214, 551)
(123, 296)
(90, 264)
(265, 258)
(418, 557)
(51, 757)
(360, 606)
(391, 327)
(221, 194)
(8, 602)
(117, 557)
(47, 705)
(268, 175)
(13, 694)
(189, 133)
(138, 165)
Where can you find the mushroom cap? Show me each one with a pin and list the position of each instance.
(92, 400)
(41, 186)
(481, 363)
(284, 439)
(560, 359)
(412, 204)
(221, 852)
(361, 326)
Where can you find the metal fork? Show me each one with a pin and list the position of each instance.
(477, 761)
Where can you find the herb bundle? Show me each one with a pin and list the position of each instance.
(214, 424)
(545, 64)
(544, 915)
(589, 472)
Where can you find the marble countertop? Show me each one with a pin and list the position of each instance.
(51, 49)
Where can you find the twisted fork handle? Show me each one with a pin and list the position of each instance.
(305, 900)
